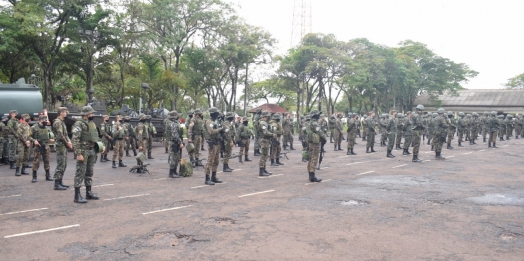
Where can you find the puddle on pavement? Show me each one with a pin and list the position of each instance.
(498, 199)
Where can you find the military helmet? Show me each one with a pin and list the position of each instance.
(87, 110)
(468, 115)
(493, 113)
(307, 117)
(190, 147)
(275, 117)
(510, 116)
(450, 113)
(420, 107)
(400, 115)
(173, 114)
(141, 117)
(441, 110)
(340, 115)
(475, 114)
(248, 118)
(266, 114)
(435, 115)
(197, 111)
(314, 112)
(461, 114)
(42, 117)
(213, 110)
(14, 111)
(25, 115)
(365, 116)
(230, 115)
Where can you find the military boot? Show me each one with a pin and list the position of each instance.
(335, 147)
(24, 172)
(278, 162)
(352, 152)
(313, 178)
(58, 186)
(291, 147)
(225, 168)
(221, 155)
(507, 137)
(338, 147)
(12, 165)
(416, 159)
(121, 164)
(428, 142)
(390, 155)
(460, 144)
(62, 184)
(127, 153)
(405, 152)
(167, 150)
(172, 173)
(89, 194)
(102, 158)
(484, 139)
(34, 176)
(134, 152)
(214, 178)
(489, 145)
(267, 172)
(494, 146)
(149, 155)
(367, 150)
(349, 152)
(78, 196)
(48, 176)
(17, 172)
(114, 164)
(398, 147)
(439, 156)
(257, 153)
(262, 173)
(449, 147)
(432, 148)
(273, 164)
(246, 159)
(285, 147)
(373, 150)
(240, 159)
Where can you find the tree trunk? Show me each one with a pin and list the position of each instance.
(245, 92)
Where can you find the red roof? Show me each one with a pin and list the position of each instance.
(272, 108)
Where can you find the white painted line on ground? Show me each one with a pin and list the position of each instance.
(450, 157)
(426, 161)
(23, 211)
(200, 186)
(12, 196)
(132, 196)
(481, 150)
(237, 170)
(271, 176)
(324, 180)
(344, 156)
(167, 209)
(353, 163)
(41, 231)
(256, 193)
(428, 151)
(160, 179)
(467, 153)
(363, 173)
(325, 168)
(505, 145)
(399, 166)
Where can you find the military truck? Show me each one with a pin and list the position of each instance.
(21, 96)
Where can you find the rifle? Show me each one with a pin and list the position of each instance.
(236, 156)
(197, 163)
(285, 154)
(140, 169)
(321, 156)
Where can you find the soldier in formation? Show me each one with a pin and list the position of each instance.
(131, 137)
(228, 138)
(370, 125)
(400, 126)
(4, 132)
(151, 131)
(265, 135)
(41, 137)
(12, 138)
(338, 132)
(382, 126)
(331, 127)
(391, 129)
(408, 132)
(287, 125)
(441, 126)
(452, 127)
(105, 131)
(418, 129)
(119, 138)
(256, 121)
(493, 126)
(244, 133)
(62, 143)
(25, 139)
(316, 138)
(352, 133)
(303, 126)
(195, 132)
(213, 137)
(174, 135)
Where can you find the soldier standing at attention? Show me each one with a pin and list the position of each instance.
(475, 127)
(518, 127)
(431, 128)
(418, 128)
(370, 123)
(493, 126)
(151, 132)
(353, 124)
(174, 135)
(304, 122)
(382, 121)
(119, 134)
(331, 126)
(244, 133)
(62, 143)
(509, 126)
(484, 125)
(502, 127)
(24, 142)
(142, 132)
(441, 126)
(85, 136)
(213, 138)
(3, 139)
(408, 133)
(461, 126)
(105, 130)
(41, 140)
(315, 138)
(256, 120)
(451, 129)
(287, 124)
(195, 133)
(391, 129)
(338, 132)
(400, 127)
(228, 142)
(364, 127)
(131, 141)
(264, 134)
(275, 142)
(12, 137)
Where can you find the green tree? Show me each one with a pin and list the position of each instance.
(516, 82)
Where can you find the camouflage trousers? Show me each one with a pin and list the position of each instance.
(84, 169)
(131, 144)
(493, 136)
(391, 141)
(107, 144)
(2, 146)
(23, 155)
(370, 139)
(118, 149)
(439, 141)
(314, 152)
(484, 133)
(149, 144)
(174, 155)
(518, 130)
(61, 161)
(399, 138)
(288, 138)
(474, 134)
(430, 136)
(257, 142)
(275, 151)
(338, 137)
(331, 134)
(39, 152)
(450, 135)
(264, 152)
(364, 133)
(143, 144)
(384, 136)
(12, 145)
(501, 132)
(245, 146)
(197, 141)
(468, 132)
(460, 134)
(408, 138)
(352, 136)
(212, 158)
(509, 132)
(227, 152)
(416, 142)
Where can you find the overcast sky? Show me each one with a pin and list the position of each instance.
(486, 35)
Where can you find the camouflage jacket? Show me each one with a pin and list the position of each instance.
(24, 132)
(60, 131)
(352, 126)
(12, 126)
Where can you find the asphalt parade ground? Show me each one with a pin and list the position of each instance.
(368, 207)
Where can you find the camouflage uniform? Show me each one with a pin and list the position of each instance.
(256, 120)
(213, 138)
(331, 126)
(382, 122)
(174, 135)
(24, 134)
(441, 125)
(452, 127)
(370, 123)
(418, 128)
(61, 140)
(493, 126)
(391, 129)
(229, 137)
(475, 127)
(264, 134)
(119, 135)
(142, 132)
(364, 127)
(461, 127)
(338, 132)
(352, 134)
(105, 131)
(315, 138)
(85, 137)
(400, 127)
(12, 126)
(431, 129)
(502, 127)
(195, 132)
(244, 134)
(509, 126)
(468, 127)
(518, 127)
(275, 142)
(131, 141)
(41, 134)
(408, 133)
(151, 130)
(4, 132)
(287, 125)
(484, 125)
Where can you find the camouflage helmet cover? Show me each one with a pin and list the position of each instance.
(230, 115)
(420, 107)
(173, 114)
(87, 110)
(440, 110)
(141, 117)
(213, 110)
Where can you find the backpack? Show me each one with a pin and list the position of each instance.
(186, 168)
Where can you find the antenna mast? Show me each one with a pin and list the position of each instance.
(302, 21)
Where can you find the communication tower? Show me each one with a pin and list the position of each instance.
(302, 21)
